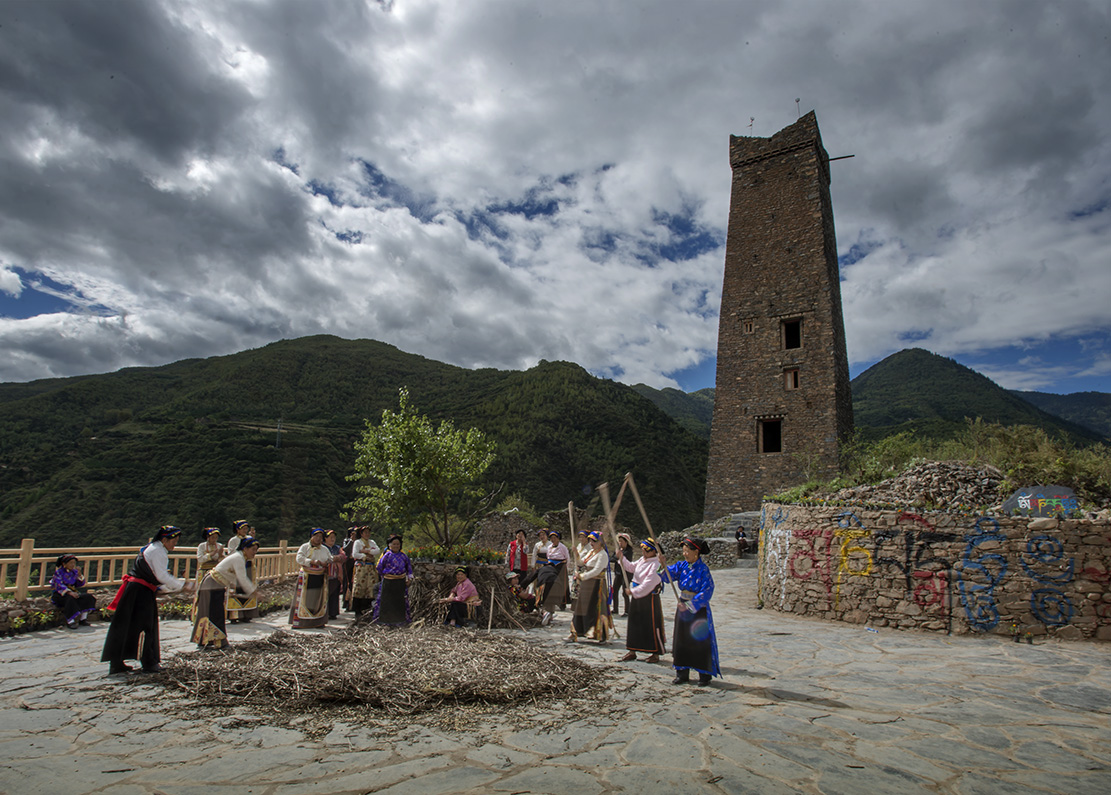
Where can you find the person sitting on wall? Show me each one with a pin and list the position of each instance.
(68, 594)
(742, 542)
(526, 601)
(462, 596)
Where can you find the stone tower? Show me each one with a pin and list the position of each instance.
(782, 403)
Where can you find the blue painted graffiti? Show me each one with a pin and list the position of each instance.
(980, 573)
(1048, 552)
(1051, 607)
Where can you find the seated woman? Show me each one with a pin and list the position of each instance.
(462, 595)
(645, 631)
(310, 597)
(526, 601)
(551, 582)
(73, 603)
(392, 606)
(209, 626)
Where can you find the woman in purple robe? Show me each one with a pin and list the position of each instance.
(68, 594)
(392, 605)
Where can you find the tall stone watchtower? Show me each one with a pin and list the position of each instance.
(782, 402)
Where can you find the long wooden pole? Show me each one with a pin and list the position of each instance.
(648, 524)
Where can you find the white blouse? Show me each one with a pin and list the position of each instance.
(365, 550)
(307, 555)
(595, 565)
(646, 575)
(233, 568)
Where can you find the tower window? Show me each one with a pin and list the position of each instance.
(748, 326)
(791, 378)
(792, 334)
(770, 436)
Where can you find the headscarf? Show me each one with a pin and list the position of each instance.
(316, 530)
(167, 531)
(649, 544)
(247, 543)
(238, 523)
(208, 532)
(461, 569)
(555, 533)
(390, 540)
(594, 535)
(64, 558)
(697, 543)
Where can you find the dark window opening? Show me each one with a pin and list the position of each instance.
(791, 379)
(792, 334)
(748, 326)
(771, 436)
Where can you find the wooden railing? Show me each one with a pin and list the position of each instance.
(27, 569)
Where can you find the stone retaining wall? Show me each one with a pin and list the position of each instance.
(946, 572)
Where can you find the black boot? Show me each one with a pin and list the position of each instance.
(682, 676)
(704, 679)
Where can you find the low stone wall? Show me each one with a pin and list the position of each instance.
(940, 571)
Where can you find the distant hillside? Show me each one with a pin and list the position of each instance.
(107, 458)
(1091, 410)
(693, 410)
(916, 389)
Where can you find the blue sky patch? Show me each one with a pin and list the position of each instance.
(382, 186)
(43, 296)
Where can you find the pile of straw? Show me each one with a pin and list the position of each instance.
(383, 671)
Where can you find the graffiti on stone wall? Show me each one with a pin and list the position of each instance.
(939, 571)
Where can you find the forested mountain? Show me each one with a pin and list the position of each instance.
(1089, 409)
(693, 410)
(105, 459)
(919, 390)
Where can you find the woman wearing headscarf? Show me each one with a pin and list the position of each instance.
(67, 592)
(133, 633)
(695, 644)
(462, 594)
(620, 581)
(395, 569)
(591, 612)
(365, 576)
(551, 582)
(230, 574)
(210, 552)
(335, 573)
(310, 598)
(645, 630)
(241, 528)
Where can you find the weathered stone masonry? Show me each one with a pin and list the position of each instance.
(782, 401)
(947, 572)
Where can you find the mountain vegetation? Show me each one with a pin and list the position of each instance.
(1091, 410)
(932, 396)
(692, 410)
(269, 435)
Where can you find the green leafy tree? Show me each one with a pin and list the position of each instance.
(406, 471)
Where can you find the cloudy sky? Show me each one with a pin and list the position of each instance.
(494, 183)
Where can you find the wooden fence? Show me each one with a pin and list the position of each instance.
(27, 569)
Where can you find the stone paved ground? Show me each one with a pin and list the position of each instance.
(806, 707)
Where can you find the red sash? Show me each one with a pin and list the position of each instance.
(126, 579)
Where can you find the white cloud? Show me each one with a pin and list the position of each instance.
(493, 183)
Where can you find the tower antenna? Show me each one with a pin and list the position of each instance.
(798, 110)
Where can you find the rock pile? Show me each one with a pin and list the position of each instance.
(941, 484)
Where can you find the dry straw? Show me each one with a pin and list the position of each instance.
(391, 671)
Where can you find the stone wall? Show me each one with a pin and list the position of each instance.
(940, 571)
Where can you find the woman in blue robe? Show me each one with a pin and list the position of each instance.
(695, 643)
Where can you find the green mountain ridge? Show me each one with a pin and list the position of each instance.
(930, 394)
(1091, 410)
(106, 459)
(933, 395)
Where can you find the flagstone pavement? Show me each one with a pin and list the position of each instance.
(805, 706)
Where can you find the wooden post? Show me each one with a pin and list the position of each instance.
(23, 570)
(282, 559)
